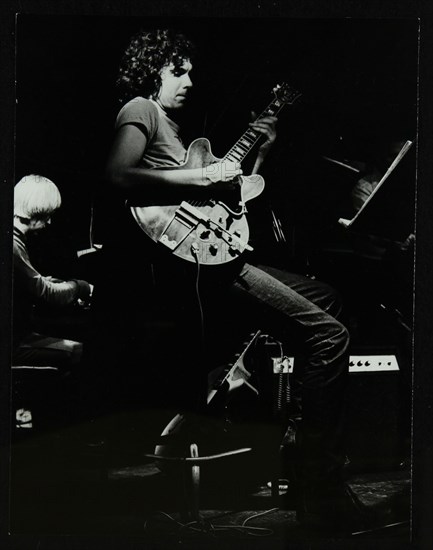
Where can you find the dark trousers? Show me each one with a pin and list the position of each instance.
(296, 306)
(154, 299)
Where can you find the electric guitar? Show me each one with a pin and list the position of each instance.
(211, 232)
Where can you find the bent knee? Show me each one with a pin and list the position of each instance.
(340, 337)
(334, 302)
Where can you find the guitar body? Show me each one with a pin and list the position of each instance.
(210, 232)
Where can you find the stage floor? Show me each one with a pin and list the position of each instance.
(61, 486)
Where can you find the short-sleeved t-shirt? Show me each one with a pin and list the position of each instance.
(164, 147)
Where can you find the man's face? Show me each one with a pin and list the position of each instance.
(175, 84)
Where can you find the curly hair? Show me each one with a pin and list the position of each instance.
(149, 52)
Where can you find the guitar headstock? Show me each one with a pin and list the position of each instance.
(286, 94)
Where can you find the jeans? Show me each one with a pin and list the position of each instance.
(290, 306)
(295, 304)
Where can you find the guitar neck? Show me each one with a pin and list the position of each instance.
(235, 374)
(249, 138)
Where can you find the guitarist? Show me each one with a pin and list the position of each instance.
(155, 80)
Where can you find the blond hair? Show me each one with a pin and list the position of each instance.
(35, 196)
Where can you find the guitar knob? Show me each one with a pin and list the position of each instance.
(213, 249)
(204, 235)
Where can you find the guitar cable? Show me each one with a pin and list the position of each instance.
(205, 525)
(194, 252)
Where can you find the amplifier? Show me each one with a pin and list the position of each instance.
(377, 411)
(377, 418)
(357, 363)
(373, 363)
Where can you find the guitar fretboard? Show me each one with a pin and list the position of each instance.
(247, 141)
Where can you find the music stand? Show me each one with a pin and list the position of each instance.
(385, 212)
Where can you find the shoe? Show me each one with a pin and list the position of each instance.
(333, 508)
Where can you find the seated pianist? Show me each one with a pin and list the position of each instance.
(36, 199)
